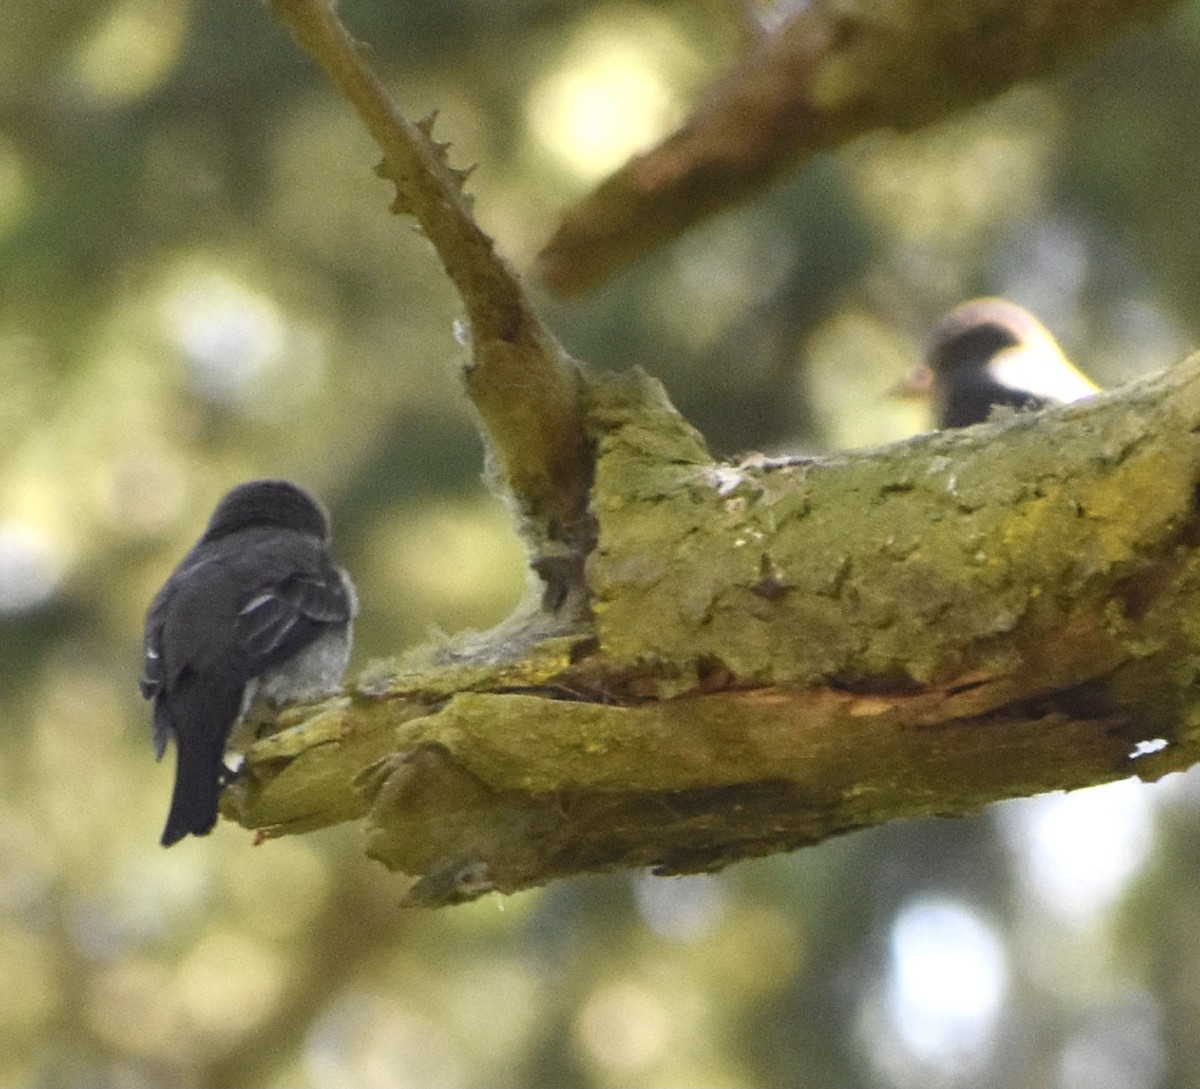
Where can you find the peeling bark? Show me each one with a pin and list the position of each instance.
(784, 650)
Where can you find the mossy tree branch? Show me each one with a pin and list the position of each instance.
(759, 655)
(783, 651)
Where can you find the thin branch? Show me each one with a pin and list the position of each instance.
(523, 384)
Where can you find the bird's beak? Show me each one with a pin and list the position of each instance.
(917, 384)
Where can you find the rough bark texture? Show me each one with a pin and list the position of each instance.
(782, 651)
(728, 660)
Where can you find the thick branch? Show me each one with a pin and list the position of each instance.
(783, 651)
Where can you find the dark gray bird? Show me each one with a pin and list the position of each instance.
(257, 606)
(990, 352)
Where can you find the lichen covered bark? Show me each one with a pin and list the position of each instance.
(726, 660)
(779, 651)
(955, 555)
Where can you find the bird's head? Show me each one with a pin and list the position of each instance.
(991, 351)
(267, 503)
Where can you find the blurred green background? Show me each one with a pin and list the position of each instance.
(200, 283)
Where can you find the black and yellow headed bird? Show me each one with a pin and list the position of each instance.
(990, 352)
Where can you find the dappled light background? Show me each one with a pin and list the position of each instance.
(200, 283)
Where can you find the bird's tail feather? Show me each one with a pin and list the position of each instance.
(199, 777)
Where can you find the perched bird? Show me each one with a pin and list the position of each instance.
(990, 352)
(257, 606)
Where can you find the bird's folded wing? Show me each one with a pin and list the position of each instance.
(284, 617)
(152, 672)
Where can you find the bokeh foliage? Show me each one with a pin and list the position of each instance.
(199, 284)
